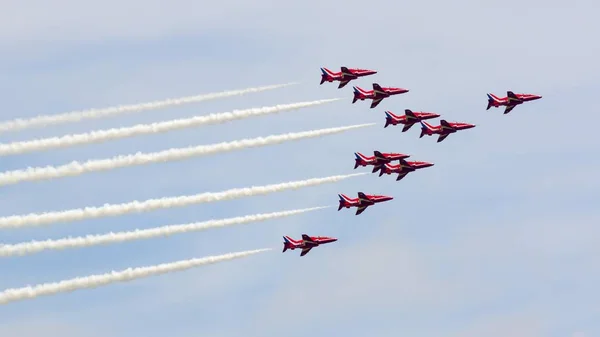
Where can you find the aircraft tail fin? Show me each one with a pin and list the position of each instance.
(490, 101)
(424, 129)
(342, 202)
(356, 95)
(286, 244)
(389, 117)
(357, 160)
(324, 76)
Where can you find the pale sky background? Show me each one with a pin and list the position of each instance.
(500, 238)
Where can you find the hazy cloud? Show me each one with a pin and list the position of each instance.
(498, 238)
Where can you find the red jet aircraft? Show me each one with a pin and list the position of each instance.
(377, 94)
(377, 159)
(306, 244)
(403, 168)
(344, 76)
(444, 129)
(362, 202)
(510, 101)
(408, 119)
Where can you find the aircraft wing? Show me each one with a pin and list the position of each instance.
(364, 200)
(512, 97)
(407, 126)
(376, 102)
(308, 242)
(401, 175)
(343, 83)
(442, 137)
(409, 114)
(446, 125)
(347, 73)
(509, 108)
(305, 251)
(360, 209)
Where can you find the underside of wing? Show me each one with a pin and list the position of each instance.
(376, 102)
(401, 175)
(442, 137)
(360, 209)
(513, 98)
(305, 251)
(343, 83)
(407, 126)
(509, 109)
(446, 126)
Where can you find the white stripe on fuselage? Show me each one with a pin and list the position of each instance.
(362, 91)
(363, 157)
(346, 199)
(330, 73)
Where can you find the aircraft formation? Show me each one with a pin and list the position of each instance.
(383, 162)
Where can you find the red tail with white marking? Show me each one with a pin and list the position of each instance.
(345, 201)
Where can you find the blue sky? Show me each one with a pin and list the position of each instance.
(499, 238)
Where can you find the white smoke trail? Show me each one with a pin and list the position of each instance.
(33, 247)
(37, 219)
(130, 274)
(143, 129)
(77, 168)
(75, 116)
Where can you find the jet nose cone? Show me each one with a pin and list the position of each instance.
(470, 126)
(538, 97)
(428, 164)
